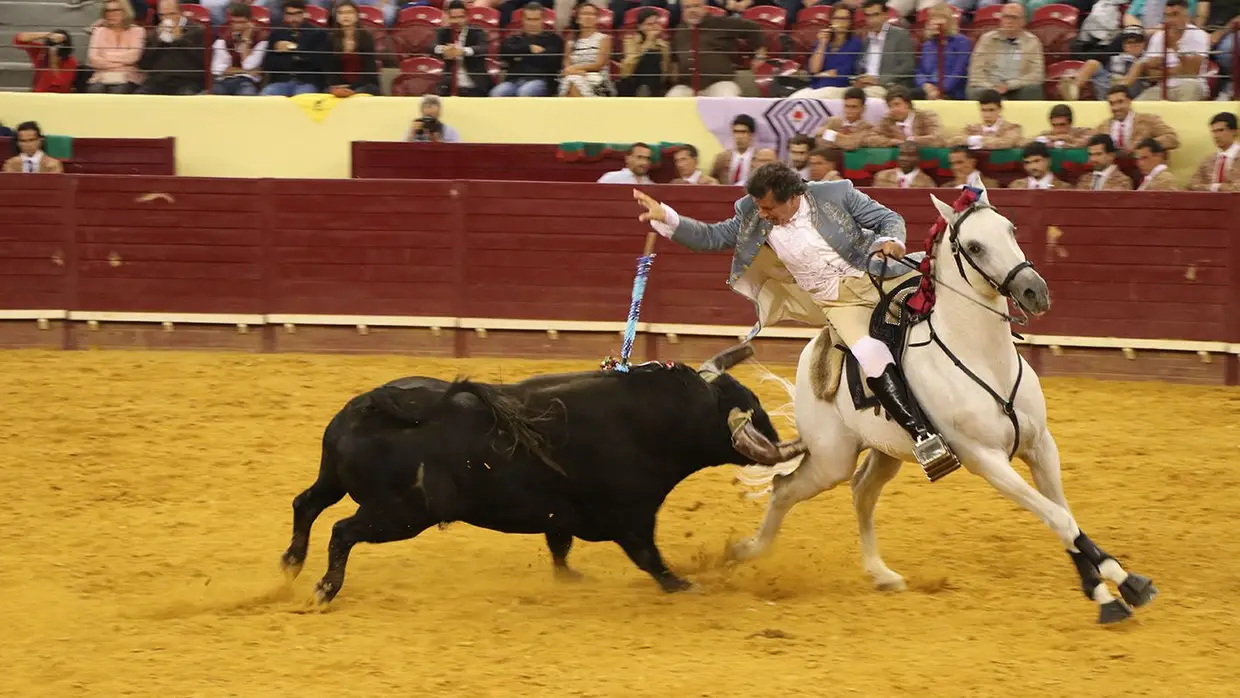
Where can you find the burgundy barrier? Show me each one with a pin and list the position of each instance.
(514, 162)
(126, 156)
(1126, 264)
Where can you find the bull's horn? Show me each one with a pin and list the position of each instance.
(751, 443)
(726, 359)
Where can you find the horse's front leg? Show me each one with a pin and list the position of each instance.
(1091, 562)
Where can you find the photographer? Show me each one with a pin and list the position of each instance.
(51, 54)
(428, 127)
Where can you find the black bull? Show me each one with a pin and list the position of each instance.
(586, 455)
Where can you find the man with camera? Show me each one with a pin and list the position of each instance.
(428, 127)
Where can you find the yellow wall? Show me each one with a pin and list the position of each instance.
(309, 136)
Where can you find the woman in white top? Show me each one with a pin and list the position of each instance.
(586, 58)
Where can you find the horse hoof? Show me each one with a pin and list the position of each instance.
(1113, 612)
(743, 551)
(1137, 590)
(895, 583)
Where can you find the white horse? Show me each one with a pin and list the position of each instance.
(963, 367)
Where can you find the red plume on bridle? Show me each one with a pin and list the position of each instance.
(922, 301)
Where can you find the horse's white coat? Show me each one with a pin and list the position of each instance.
(969, 418)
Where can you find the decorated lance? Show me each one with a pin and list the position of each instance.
(635, 305)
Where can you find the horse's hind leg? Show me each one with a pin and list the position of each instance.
(1092, 563)
(877, 470)
(326, 491)
(818, 472)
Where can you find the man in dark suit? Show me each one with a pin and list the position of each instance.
(463, 49)
(534, 57)
(888, 57)
(295, 52)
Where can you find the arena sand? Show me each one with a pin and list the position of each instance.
(148, 500)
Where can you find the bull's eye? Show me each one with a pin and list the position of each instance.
(974, 248)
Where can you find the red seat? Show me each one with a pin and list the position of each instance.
(767, 15)
(317, 14)
(1055, 72)
(818, 15)
(1056, 11)
(197, 13)
(630, 16)
(418, 76)
(1056, 36)
(486, 19)
(606, 19)
(423, 13)
(496, 70)
(371, 16)
(984, 20)
(413, 38)
(261, 15)
(766, 72)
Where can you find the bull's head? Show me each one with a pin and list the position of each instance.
(753, 435)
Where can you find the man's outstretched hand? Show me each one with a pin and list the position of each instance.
(654, 209)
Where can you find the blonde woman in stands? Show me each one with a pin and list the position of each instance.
(116, 45)
(586, 58)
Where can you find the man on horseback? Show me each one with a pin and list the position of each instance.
(802, 251)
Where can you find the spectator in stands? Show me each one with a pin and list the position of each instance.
(825, 164)
(237, 55)
(1185, 62)
(351, 66)
(1220, 171)
(1152, 162)
(798, 153)
(172, 58)
(1038, 175)
(534, 57)
(687, 171)
(849, 131)
(1118, 70)
(888, 57)
(1105, 174)
(971, 5)
(964, 169)
(733, 166)
(1152, 14)
(764, 156)
(421, 127)
(463, 49)
(835, 58)
(1223, 23)
(51, 55)
(1009, 59)
(994, 133)
(1127, 128)
(30, 157)
(904, 124)
(1062, 134)
(115, 47)
(587, 58)
(636, 168)
(943, 67)
(702, 50)
(647, 58)
(907, 174)
(294, 57)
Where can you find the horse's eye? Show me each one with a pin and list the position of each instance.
(974, 248)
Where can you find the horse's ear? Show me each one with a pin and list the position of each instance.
(945, 210)
(983, 197)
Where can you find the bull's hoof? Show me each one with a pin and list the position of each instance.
(1137, 590)
(568, 574)
(1113, 612)
(325, 591)
(673, 585)
(291, 566)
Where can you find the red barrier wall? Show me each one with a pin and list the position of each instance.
(512, 162)
(1127, 264)
(130, 156)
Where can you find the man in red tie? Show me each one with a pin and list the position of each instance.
(733, 166)
(1220, 171)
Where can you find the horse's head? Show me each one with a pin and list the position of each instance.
(982, 242)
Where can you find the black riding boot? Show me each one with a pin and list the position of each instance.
(931, 451)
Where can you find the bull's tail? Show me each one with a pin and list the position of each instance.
(510, 414)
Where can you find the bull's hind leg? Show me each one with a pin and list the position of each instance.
(372, 523)
(638, 544)
(560, 543)
(818, 472)
(307, 506)
(877, 470)
(1093, 564)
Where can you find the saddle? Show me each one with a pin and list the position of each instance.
(831, 360)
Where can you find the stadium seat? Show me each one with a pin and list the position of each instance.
(414, 37)
(262, 16)
(984, 20)
(1056, 11)
(1055, 73)
(423, 14)
(765, 73)
(197, 13)
(371, 16)
(487, 19)
(767, 15)
(495, 69)
(1056, 36)
(818, 15)
(419, 75)
(318, 15)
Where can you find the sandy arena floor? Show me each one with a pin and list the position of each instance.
(149, 500)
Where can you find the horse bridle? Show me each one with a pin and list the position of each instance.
(960, 253)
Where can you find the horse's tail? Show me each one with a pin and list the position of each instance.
(761, 477)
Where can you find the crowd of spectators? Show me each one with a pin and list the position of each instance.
(935, 49)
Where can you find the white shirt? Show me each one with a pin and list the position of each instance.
(830, 135)
(743, 160)
(30, 163)
(815, 266)
(1194, 42)
(874, 51)
(693, 178)
(1046, 182)
(462, 76)
(623, 176)
(1150, 177)
(1228, 157)
(906, 126)
(221, 59)
(973, 180)
(905, 180)
(804, 172)
(1100, 178)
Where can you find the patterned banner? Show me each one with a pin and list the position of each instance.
(778, 120)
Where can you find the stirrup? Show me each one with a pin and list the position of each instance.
(936, 459)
